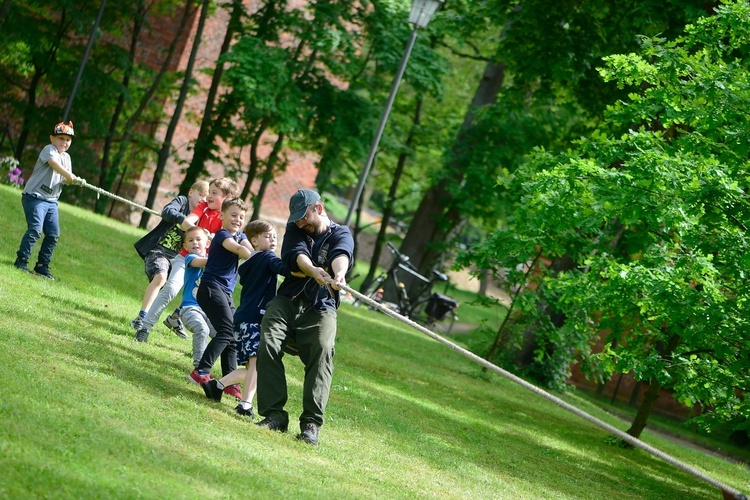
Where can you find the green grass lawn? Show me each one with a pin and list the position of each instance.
(88, 412)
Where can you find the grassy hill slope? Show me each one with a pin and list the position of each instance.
(88, 412)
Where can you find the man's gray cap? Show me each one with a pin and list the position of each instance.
(299, 202)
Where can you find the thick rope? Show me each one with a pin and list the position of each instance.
(118, 198)
(728, 491)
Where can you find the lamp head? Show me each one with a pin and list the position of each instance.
(422, 11)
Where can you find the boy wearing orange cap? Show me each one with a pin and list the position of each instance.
(39, 199)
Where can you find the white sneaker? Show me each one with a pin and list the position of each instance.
(175, 324)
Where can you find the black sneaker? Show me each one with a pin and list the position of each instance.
(212, 390)
(245, 412)
(308, 433)
(273, 425)
(21, 264)
(141, 335)
(43, 271)
(137, 323)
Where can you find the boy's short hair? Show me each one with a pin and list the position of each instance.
(237, 202)
(201, 187)
(228, 186)
(193, 229)
(257, 227)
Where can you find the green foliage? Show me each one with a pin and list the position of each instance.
(42, 45)
(654, 218)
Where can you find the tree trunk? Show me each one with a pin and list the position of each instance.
(267, 176)
(4, 12)
(639, 422)
(106, 176)
(252, 170)
(207, 133)
(166, 148)
(644, 411)
(39, 71)
(484, 282)
(392, 192)
(435, 217)
(130, 124)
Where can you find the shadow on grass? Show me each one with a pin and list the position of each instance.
(454, 414)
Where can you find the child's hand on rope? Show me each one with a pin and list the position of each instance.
(77, 181)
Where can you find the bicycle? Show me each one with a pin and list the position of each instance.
(423, 306)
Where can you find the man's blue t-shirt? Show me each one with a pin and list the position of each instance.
(192, 280)
(221, 268)
(322, 250)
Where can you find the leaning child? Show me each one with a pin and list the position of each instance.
(259, 278)
(163, 243)
(193, 317)
(53, 168)
(214, 295)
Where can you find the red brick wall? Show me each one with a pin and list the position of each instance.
(301, 167)
(623, 388)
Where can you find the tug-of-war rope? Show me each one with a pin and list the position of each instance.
(727, 491)
(99, 190)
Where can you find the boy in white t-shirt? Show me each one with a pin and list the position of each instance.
(39, 199)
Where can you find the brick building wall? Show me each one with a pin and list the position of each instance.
(625, 389)
(300, 169)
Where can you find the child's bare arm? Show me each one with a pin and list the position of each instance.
(69, 177)
(190, 221)
(237, 248)
(198, 262)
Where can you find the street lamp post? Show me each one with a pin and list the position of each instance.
(421, 13)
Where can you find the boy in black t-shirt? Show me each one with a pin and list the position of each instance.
(258, 277)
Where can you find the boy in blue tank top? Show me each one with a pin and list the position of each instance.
(193, 317)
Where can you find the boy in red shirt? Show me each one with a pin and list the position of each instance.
(208, 216)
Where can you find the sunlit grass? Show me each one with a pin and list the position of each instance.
(88, 412)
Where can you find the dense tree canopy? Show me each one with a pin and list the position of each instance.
(652, 209)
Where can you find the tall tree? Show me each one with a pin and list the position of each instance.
(278, 87)
(204, 143)
(187, 82)
(652, 208)
(549, 50)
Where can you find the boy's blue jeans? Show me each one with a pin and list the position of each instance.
(41, 217)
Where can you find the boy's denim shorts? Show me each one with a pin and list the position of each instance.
(157, 262)
(246, 340)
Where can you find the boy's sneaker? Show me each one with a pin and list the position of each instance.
(197, 378)
(137, 323)
(20, 264)
(234, 391)
(175, 324)
(308, 433)
(141, 335)
(43, 271)
(212, 390)
(245, 412)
